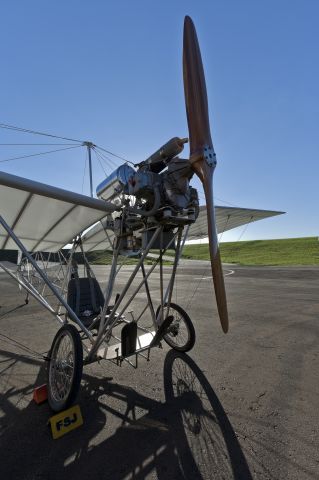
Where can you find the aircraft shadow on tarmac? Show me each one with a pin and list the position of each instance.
(187, 437)
(12, 310)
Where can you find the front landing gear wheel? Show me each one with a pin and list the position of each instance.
(65, 368)
(181, 333)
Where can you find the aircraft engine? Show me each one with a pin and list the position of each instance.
(160, 186)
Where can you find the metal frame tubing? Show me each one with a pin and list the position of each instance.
(71, 313)
(101, 336)
(34, 293)
(144, 280)
(109, 290)
(111, 317)
(169, 290)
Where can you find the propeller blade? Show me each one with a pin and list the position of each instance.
(195, 91)
(202, 155)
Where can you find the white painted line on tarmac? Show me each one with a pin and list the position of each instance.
(229, 272)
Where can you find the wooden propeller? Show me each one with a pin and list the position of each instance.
(202, 155)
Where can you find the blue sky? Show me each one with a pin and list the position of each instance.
(111, 72)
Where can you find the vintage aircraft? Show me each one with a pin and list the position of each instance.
(139, 210)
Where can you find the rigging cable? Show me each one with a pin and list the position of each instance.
(245, 228)
(114, 154)
(34, 144)
(107, 161)
(101, 165)
(40, 153)
(202, 197)
(227, 203)
(235, 244)
(34, 132)
(221, 235)
(205, 272)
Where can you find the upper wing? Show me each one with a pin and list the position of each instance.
(101, 236)
(43, 217)
(226, 219)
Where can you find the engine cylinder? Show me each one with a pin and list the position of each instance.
(157, 162)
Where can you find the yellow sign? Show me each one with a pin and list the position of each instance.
(65, 421)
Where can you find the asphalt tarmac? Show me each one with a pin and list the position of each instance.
(239, 406)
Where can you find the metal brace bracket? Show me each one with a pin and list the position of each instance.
(210, 156)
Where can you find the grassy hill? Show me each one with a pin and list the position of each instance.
(290, 251)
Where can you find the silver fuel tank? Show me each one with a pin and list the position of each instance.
(115, 184)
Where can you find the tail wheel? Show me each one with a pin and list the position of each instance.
(65, 368)
(181, 333)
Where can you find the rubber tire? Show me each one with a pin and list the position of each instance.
(56, 405)
(190, 327)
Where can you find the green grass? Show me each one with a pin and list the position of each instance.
(105, 258)
(290, 251)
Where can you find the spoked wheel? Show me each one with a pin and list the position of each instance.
(65, 368)
(181, 334)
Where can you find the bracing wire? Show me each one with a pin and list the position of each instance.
(232, 250)
(101, 165)
(206, 271)
(34, 132)
(202, 197)
(114, 155)
(225, 226)
(227, 203)
(37, 154)
(107, 161)
(34, 144)
(245, 228)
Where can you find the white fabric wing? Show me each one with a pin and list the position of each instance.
(43, 217)
(226, 219)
